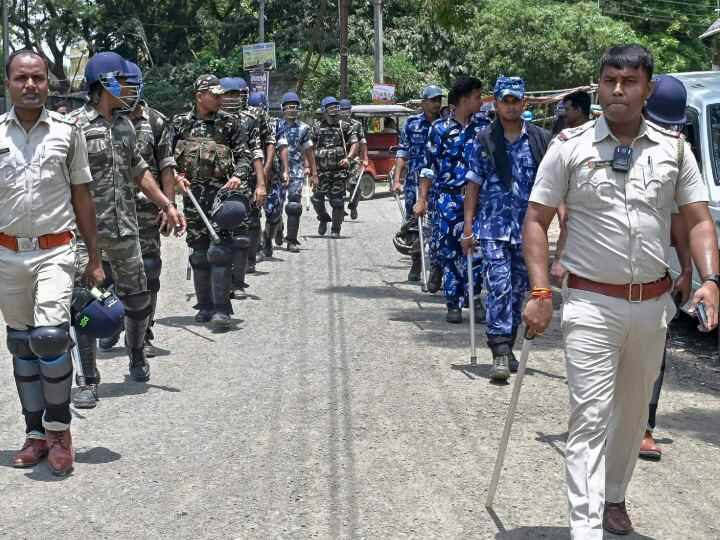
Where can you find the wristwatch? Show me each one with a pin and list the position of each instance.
(715, 278)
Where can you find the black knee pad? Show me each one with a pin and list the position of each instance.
(50, 341)
(27, 380)
(137, 306)
(220, 255)
(56, 379)
(242, 241)
(198, 259)
(18, 343)
(337, 202)
(293, 208)
(153, 268)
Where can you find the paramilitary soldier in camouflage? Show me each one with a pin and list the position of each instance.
(331, 137)
(217, 153)
(356, 165)
(118, 171)
(155, 138)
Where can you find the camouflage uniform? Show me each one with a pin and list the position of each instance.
(332, 142)
(115, 162)
(355, 164)
(266, 132)
(276, 195)
(210, 151)
(155, 138)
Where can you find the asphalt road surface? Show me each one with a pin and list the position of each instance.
(343, 406)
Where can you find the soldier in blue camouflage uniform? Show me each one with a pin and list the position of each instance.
(447, 163)
(218, 152)
(118, 171)
(331, 137)
(356, 165)
(503, 164)
(411, 154)
(155, 139)
(296, 147)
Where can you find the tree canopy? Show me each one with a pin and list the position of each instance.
(551, 44)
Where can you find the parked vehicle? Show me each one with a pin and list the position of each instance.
(382, 124)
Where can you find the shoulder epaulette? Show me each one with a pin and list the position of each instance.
(669, 132)
(571, 133)
(72, 120)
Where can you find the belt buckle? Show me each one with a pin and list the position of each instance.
(27, 244)
(631, 298)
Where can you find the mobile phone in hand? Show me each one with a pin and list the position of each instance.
(702, 315)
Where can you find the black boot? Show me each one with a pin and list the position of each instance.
(252, 250)
(201, 280)
(221, 281)
(513, 363)
(415, 270)
(435, 279)
(86, 395)
(293, 227)
(500, 345)
(454, 315)
(150, 350)
(322, 215)
(134, 339)
(238, 272)
(106, 344)
(338, 215)
(280, 233)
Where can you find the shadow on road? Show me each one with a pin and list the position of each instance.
(129, 388)
(698, 423)
(96, 456)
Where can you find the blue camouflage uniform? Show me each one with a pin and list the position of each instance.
(498, 229)
(296, 136)
(276, 198)
(448, 151)
(412, 148)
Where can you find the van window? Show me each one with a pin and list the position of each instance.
(692, 134)
(714, 136)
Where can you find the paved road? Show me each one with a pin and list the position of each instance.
(341, 406)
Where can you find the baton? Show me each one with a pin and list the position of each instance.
(357, 185)
(306, 194)
(206, 221)
(400, 206)
(527, 343)
(424, 287)
(471, 298)
(75, 357)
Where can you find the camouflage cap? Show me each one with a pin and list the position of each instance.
(509, 86)
(208, 83)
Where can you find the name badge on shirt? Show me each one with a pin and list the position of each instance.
(598, 164)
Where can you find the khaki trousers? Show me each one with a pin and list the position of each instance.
(613, 351)
(36, 286)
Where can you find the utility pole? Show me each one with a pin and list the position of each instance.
(261, 21)
(344, 7)
(378, 44)
(6, 45)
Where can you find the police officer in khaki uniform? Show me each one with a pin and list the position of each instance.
(619, 177)
(44, 196)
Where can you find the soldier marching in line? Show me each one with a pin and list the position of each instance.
(118, 170)
(331, 137)
(220, 155)
(357, 164)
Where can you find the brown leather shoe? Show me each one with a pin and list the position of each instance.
(648, 448)
(32, 453)
(61, 453)
(616, 520)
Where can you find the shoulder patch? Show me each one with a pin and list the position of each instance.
(65, 119)
(669, 132)
(571, 133)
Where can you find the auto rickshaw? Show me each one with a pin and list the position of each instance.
(382, 125)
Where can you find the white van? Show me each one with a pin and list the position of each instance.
(703, 134)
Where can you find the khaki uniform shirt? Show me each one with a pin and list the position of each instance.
(115, 162)
(618, 223)
(36, 171)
